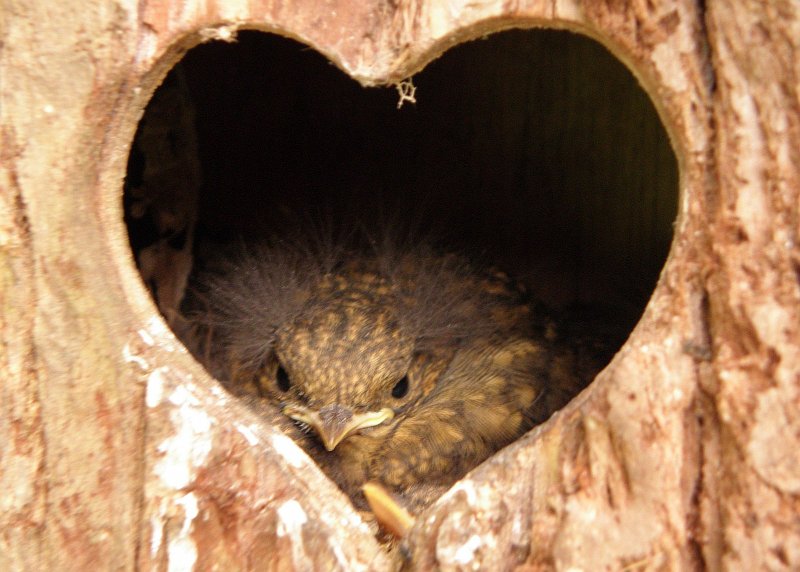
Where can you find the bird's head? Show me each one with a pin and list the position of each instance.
(341, 366)
(347, 345)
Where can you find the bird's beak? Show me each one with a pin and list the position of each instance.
(334, 422)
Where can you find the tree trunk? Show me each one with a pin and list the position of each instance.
(118, 451)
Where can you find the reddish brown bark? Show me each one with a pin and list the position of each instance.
(118, 451)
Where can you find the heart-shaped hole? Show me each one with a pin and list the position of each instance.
(534, 152)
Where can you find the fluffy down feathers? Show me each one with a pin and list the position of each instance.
(410, 364)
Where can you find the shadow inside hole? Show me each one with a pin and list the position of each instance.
(534, 150)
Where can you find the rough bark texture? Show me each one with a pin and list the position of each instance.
(753, 285)
(118, 451)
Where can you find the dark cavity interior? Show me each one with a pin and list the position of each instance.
(536, 149)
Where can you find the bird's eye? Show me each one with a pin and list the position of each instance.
(400, 389)
(282, 378)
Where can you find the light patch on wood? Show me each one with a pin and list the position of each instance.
(247, 433)
(677, 395)
(477, 496)
(291, 518)
(182, 550)
(155, 327)
(144, 334)
(225, 33)
(148, 45)
(219, 393)
(18, 480)
(466, 552)
(776, 326)
(465, 555)
(751, 206)
(158, 333)
(349, 520)
(577, 508)
(441, 16)
(567, 10)
(190, 445)
(155, 387)
(289, 450)
(157, 523)
(773, 442)
(129, 357)
(670, 66)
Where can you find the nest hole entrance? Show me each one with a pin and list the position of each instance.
(536, 149)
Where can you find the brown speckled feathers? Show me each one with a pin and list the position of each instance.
(403, 365)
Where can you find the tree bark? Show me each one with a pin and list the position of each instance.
(117, 451)
(754, 285)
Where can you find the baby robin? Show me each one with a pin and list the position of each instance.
(401, 365)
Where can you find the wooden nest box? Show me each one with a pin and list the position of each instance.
(644, 151)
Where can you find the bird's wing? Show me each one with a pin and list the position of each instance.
(485, 399)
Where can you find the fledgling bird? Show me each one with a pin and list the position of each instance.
(401, 365)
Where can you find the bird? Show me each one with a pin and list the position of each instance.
(398, 362)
